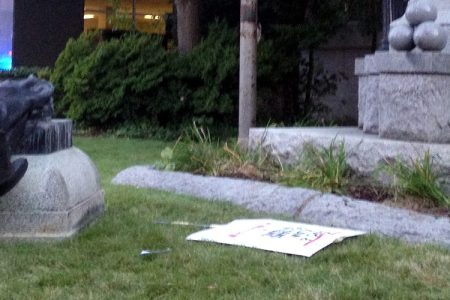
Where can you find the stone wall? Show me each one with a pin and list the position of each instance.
(338, 56)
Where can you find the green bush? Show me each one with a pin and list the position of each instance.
(133, 80)
(117, 82)
(214, 65)
(75, 51)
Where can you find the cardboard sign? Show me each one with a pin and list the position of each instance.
(272, 235)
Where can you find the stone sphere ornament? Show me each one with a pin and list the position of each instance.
(420, 11)
(430, 36)
(401, 37)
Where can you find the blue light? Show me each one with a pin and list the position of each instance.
(5, 62)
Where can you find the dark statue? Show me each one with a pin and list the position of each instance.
(23, 103)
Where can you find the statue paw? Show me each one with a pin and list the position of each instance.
(9, 180)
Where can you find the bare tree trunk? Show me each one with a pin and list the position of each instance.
(188, 24)
(247, 70)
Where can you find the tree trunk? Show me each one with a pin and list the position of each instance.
(247, 70)
(188, 25)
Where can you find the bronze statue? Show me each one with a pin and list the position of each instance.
(22, 104)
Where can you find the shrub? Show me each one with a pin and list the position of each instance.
(118, 82)
(324, 168)
(133, 80)
(418, 179)
(76, 50)
(214, 67)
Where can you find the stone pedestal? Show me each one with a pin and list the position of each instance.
(406, 95)
(59, 194)
(44, 137)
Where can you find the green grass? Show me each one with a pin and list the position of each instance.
(103, 261)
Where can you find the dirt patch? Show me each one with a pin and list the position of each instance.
(370, 193)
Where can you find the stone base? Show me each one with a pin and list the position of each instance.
(59, 194)
(405, 95)
(364, 152)
(45, 137)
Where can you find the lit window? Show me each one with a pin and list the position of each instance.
(6, 24)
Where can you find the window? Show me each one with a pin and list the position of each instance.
(6, 33)
(117, 14)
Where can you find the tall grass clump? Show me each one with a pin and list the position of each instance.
(196, 151)
(323, 168)
(418, 179)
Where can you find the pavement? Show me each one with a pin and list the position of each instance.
(302, 205)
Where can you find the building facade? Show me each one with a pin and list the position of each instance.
(146, 15)
(33, 33)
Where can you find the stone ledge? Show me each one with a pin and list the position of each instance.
(300, 204)
(364, 152)
(413, 62)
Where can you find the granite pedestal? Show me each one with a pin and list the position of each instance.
(60, 192)
(405, 95)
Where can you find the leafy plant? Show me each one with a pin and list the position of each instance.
(119, 19)
(167, 162)
(418, 179)
(324, 168)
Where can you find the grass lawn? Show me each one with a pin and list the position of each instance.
(103, 261)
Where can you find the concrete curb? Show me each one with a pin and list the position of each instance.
(303, 205)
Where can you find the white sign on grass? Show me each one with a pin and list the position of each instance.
(272, 235)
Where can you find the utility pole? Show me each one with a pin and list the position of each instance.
(247, 70)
